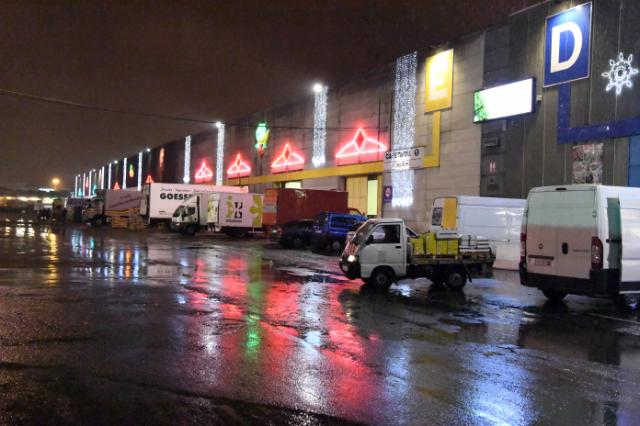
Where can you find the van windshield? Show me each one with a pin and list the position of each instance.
(178, 211)
(363, 231)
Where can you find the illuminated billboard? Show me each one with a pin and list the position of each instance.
(504, 101)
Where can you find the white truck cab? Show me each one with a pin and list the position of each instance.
(582, 239)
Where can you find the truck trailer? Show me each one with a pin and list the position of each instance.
(235, 214)
(160, 200)
(100, 209)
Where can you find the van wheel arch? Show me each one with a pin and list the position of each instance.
(381, 278)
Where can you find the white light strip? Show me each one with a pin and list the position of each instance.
(139, 170)
(124, 173)
(75, 187)
(84, 182)
(90, 189)
(220, 154)
(404, 119)
(319, 126)
(102, 177)
(109, 181)
(187, 160)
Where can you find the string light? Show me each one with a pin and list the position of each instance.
(319, 124)
(102, 177)
(404, 116)
(140, 171)
(109, 181)
(89, 184)
(187, 160)
(220, 154)
(75, 186)
(124, 173)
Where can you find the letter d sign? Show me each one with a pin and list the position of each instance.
(567, 45)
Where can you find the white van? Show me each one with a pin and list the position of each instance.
(497, 219)
(582, 239)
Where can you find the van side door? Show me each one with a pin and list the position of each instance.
(630, 259)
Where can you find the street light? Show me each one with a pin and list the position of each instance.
(55, 182)
(218, 124)
(317, 88)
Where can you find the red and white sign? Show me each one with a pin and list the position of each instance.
(204, 173)
(361, 149)
(239, 168)
(288, 160)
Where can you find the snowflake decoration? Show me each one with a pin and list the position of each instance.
(620, 73)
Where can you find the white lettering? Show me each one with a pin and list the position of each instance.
(572, 27)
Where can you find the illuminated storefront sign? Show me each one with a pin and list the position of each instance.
(204, 173)
(438, 81)
(404, 159)
(239, 168)
(262, 137)
(116, 186)
(567, 45)
(288, 160)
(132, 172)
(361, 148)
(503, 101)
(149, 179)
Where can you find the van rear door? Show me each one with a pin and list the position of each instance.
(630, 263)
(560, 225)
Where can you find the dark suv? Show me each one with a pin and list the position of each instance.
(296, 234)
(331, 229)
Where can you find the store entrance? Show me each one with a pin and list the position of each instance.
(365, 194)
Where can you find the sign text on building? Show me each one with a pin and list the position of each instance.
(404, 159)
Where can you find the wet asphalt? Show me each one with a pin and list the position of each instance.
(101, 326)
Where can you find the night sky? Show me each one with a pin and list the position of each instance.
(201, 59)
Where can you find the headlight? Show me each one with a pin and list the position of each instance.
(351, 258)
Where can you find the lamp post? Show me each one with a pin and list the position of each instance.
(55, 182)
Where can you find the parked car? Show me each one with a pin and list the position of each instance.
(330, 229)
(296, 233)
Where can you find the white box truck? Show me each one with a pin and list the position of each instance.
(497, 219)
(160, 200)
(236, 214)
(98, 210)
(582, 239)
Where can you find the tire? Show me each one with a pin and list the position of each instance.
(297, 243)
(191, 230)
(554, 295)
(381, 279)
(628, 302)
(336, 246)
(456, 278)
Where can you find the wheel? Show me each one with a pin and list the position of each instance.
(381, 279)
(97, 221)
(628, 302)
(297, 243)
(191, 230)
(554, 295)
(456, 278)
(336, 246)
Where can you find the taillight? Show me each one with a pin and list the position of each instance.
(523, 247)
(596, 253)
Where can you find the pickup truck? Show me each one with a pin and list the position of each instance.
(330, 229)
(381, 253)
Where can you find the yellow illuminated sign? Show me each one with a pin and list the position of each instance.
(438, 79)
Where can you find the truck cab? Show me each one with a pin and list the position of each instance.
(377, 252)
(186, 217)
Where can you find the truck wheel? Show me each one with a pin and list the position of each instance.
(336, 246)
(628, 302)
(297, 243)
(191, 230)
(554, 295)
(456, 278)
(380, 279)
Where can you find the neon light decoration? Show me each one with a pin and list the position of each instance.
(124, 173)
(204, 174)
(620, 73)
(116, 186)
(220, 154)
(186, 178)
(149, 179)
(319, 125)
(262, 137)
(238, 168)
(139, 170)
(132, 172)
(287, 160)
(361, 148)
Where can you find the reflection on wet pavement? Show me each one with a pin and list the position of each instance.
(209, 329)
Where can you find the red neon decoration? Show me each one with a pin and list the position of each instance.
(204, 174)
(287, 160)
(149, 179)
(239, 168)
(116, 186)
(360, 148)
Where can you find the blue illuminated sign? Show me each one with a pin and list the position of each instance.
(567, 45)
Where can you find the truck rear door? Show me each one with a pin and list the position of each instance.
(630, 262)
(541, 234)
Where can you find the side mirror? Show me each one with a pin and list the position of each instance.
(369, 240)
